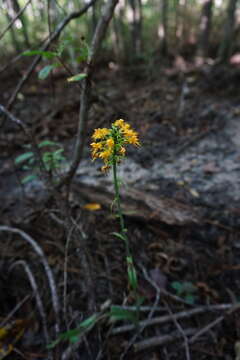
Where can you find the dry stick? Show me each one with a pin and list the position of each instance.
(15, 309)
(208, 327)
(157, 298)
(178, 326)
(50, 277)
(160, 340)
(86, 89)
(180, 315)
(38, 298)
(45, 46)
(65, 274)
(14, 19)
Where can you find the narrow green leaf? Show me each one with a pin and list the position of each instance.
(28, 179)
(132, 277)
(118, 235)
(74, 334)
(117, 314)
(23, 157)
(44, 72)
(45, 54)
(47, 143)
(77, 77)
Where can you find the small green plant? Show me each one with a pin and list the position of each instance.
(186, 290)
(110, 146)
(55, 57)
(51, 160)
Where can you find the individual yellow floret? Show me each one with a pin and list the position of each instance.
(110, 143)
(120, 123)
(122, 151)
(100, 133)
(105, 155)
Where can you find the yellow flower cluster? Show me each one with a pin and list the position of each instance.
(109, 144)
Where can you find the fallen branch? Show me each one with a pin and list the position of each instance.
(160, 340)
(163, 319)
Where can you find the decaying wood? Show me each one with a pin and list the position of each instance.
(142, 205)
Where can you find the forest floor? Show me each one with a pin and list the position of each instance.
(181, 193)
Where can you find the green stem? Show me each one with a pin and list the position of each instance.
(119, 209)
(122, 226)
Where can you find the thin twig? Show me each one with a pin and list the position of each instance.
(160, 340)
(39, 302)
(48, 271)
(180, 329)
(157, 299)
(14, 310)
(180, 315)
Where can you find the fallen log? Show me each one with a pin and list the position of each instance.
(141, 205)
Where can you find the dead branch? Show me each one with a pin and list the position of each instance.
(180, 315)
(45, 46)
(49, 273)
(181, 331)
(160, 340)
(13, 311)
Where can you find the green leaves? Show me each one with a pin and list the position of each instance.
(24, 157)
(117, 314)
(51, 160)
(44, 54)
(74, 335)
(132, 274)
(186, 290)
(77, 77)
(47, 143)
(44, 72)
(120, 236)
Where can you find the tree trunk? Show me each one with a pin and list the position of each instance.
(15, 42)
(205, 28)
(136, 6)
(225, 49)
(164, 28)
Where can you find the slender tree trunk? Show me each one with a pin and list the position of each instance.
(225, 49)
(15, 42)
(205, 28)
(136, 7)
(164, 28)
(176, 22)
